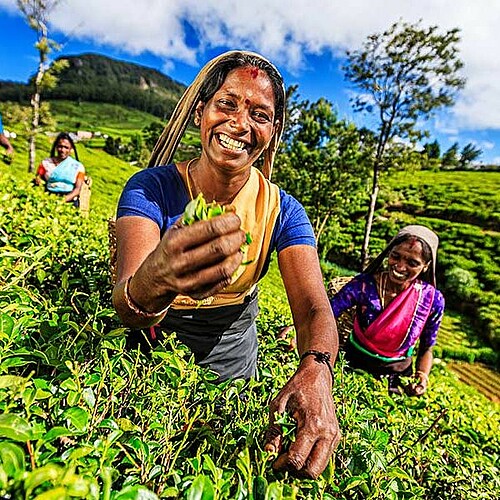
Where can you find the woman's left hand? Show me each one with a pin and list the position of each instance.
(308, 399)
(419, 386)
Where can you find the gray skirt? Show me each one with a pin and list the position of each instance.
(223, 339)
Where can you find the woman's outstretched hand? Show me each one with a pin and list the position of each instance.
(307, 398)
(199, 260)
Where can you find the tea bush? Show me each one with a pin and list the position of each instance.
(85, 415)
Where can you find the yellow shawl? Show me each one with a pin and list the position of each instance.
(258, 206)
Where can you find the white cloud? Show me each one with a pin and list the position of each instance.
(484, 145)
(286, 31)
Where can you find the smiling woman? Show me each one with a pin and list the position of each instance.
(188, 279)
(395, 308)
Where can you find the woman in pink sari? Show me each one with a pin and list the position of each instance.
(397, 304)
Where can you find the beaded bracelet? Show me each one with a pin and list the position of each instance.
(320, 357)
(135, 307)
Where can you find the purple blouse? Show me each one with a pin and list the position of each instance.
(362, 292)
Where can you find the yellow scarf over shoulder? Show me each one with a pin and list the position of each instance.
(258, 206)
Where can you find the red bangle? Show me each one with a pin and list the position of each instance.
(135, 307)
(320, 357)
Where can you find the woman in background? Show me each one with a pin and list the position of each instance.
(62, 174)
(396, 306)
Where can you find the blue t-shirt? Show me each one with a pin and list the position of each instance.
(1, 125)
(159, 194)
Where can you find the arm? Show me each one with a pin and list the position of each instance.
(423, 368)
(76, 190)
(347, 297)
(197, 260)
(424, 360)
(39, 175)
(307, 395)
(6, 144)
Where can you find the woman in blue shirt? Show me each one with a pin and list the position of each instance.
(190, 280)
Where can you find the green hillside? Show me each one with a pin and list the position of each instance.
(97, 78)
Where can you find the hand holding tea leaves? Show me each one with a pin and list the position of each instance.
(198, 209)
(199, 254)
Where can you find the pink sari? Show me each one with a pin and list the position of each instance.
(387, 334)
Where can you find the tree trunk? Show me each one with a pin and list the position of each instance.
(35, 100)
(321, 228)
(369, 222)
(382, 141)
(35, 121)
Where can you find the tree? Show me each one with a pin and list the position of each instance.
(405, 74)
(36, 14)
(469, 153)
(321, 161)
(432, 150)
(449, 160)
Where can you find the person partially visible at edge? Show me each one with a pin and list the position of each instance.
(396, 306)
(164, 269)
(4, 141)
(62, 174)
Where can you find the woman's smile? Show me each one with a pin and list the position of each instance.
(229, 143)
(406, 262)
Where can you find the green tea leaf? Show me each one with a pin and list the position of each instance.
(15, 428)
(77, 417)
(55, 433)
(135, 493)
(201, 489)
(6, 324)
(12, 459)
(47, 473)
(54, 494)
(11, 381)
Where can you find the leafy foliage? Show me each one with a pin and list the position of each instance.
(404, 74)
(86, 415)
(322, 162)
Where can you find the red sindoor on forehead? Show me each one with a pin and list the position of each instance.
(254, 72)
(412, 241)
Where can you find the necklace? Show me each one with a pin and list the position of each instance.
(383, 290)
(188, 177)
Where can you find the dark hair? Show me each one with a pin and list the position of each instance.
(216, 77)
(67, 137)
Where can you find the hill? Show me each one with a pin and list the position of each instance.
(97, 78)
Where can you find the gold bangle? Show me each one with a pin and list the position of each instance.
(135, 307)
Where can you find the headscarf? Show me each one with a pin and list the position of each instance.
(166, 145)
(421, 232)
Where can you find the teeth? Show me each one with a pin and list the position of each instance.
(229, 143)
(399, 275)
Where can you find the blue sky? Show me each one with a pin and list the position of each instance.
(305, 38)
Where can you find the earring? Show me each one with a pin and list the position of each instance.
(197, 120)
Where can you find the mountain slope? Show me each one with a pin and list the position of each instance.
(97, 78)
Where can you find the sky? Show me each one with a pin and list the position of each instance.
(306, 39)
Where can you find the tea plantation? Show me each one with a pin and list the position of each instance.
(85, 415)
